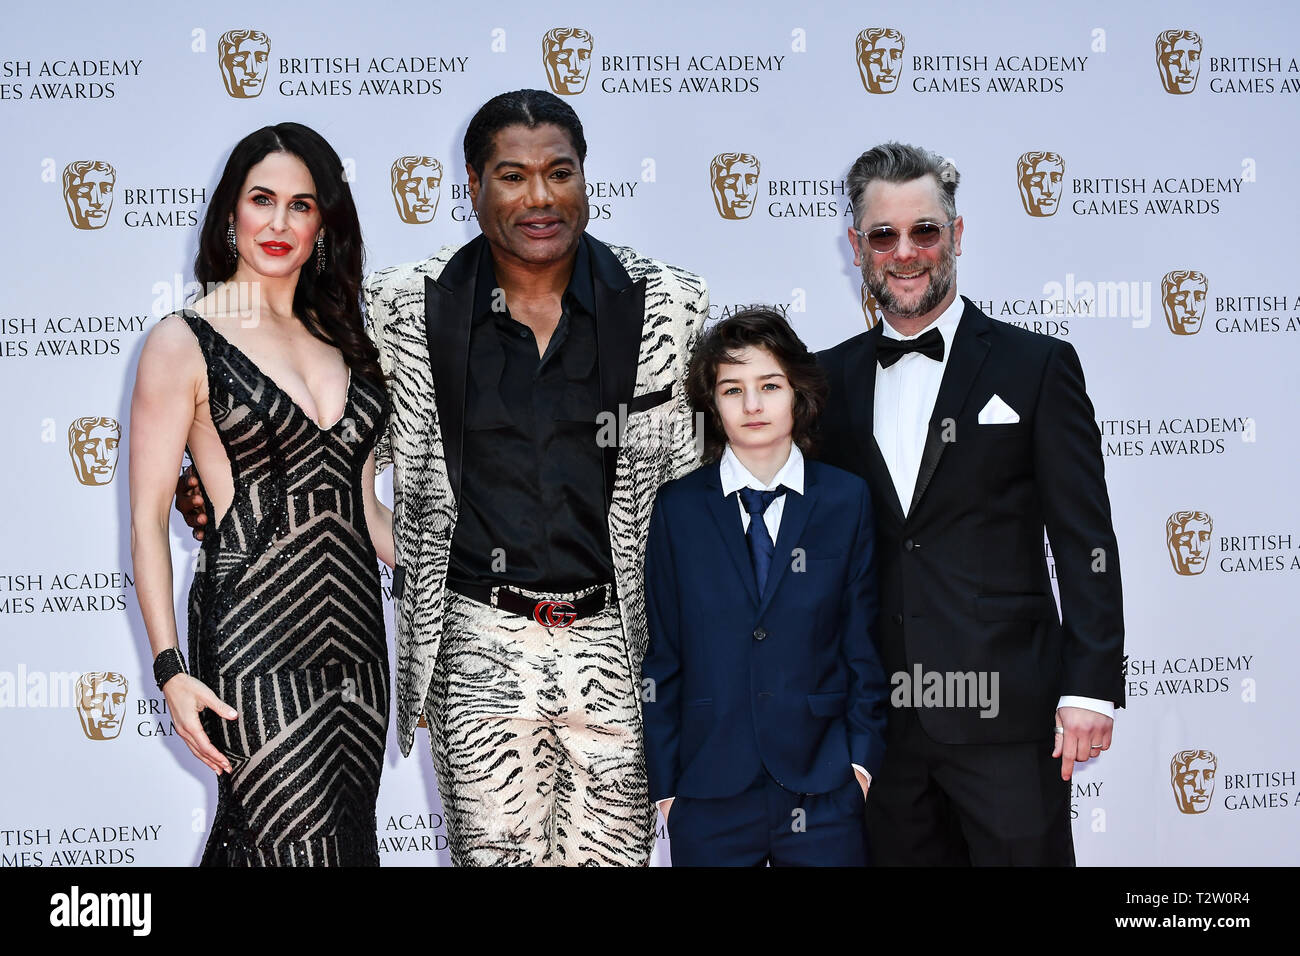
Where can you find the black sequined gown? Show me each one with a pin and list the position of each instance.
(286, 624)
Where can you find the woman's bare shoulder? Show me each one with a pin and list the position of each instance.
(171, 349)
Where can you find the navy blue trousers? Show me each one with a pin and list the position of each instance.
(767, 824)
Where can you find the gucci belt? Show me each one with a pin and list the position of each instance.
(548, 612)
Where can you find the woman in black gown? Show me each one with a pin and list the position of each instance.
(271, 383)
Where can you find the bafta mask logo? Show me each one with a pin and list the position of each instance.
(1187, 534)
(88, 192)
(1191, 774)
(880, 58)
(1183, 293)
(417, 185)
(1041, 177)
(101, 704)
(1178, 58)
(733, 177)
(566, 53)
(244, 56)
(92, 443)
(871, 310)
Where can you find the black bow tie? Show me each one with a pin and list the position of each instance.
(889, 351)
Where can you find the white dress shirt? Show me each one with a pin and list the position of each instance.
(735, 476)
(905, 397)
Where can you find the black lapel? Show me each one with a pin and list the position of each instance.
(970, 347)
(620, 311)
(860, 391)
(794, 516)
(448, 314)
(726, 515)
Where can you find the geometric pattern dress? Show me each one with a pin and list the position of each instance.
(286, 623)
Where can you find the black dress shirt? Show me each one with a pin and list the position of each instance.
(532, 503)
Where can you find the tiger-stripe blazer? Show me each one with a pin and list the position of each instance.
(419, 316)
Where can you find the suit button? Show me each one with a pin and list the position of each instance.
(898, 619)
(909, 544)
(760, 633)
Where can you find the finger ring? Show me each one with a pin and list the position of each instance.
(1060, 730)
(1096, 746)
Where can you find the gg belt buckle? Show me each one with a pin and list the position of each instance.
(554, 613)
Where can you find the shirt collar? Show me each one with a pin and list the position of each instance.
(580, 290)
(946, 324)
(735, 476)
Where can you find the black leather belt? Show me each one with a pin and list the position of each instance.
(548, 612)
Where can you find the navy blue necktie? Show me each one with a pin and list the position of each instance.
(761, 546)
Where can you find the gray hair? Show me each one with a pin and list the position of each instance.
(901, 163)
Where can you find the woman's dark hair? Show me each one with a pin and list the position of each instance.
(329, 303)
(765, 329)
(528, 108)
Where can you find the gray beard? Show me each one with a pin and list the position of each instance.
(940, 283)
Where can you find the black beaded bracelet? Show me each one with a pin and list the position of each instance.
(167, 665)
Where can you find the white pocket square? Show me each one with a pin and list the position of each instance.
(998, 412)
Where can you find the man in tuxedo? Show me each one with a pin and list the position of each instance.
(765, 703)
(536, 377)
(975, 437)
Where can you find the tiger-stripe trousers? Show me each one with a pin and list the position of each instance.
(537, 740)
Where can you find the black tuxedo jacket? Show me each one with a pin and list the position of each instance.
(964, 582)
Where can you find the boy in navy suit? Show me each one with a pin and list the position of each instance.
(765, 704)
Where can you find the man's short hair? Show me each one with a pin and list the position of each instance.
(766, 329)
(902, 163)
(528, 108)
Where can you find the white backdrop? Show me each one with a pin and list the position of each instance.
(1150, 182)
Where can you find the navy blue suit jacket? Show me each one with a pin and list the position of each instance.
(788, 680)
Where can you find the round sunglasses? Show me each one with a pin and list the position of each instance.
(922, 235)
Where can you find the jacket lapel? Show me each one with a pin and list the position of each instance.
(970, 347)
(860, 387)
(448, 314)
(620, 311)
(794, 517)
(726, 515)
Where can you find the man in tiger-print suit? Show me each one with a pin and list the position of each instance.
(522, 497)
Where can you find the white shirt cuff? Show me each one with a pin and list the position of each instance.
(863, 770)
(1103, 707)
